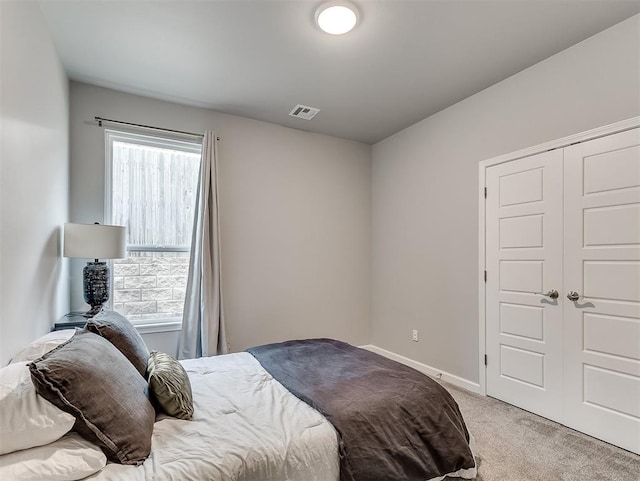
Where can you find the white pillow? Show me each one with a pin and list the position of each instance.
(42, 345)
(27, 419)
(71, 457)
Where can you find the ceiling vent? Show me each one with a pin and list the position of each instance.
(304, 112)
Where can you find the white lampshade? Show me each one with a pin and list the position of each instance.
(95, 241)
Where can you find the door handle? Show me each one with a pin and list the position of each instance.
(573, 296)
(553, 294)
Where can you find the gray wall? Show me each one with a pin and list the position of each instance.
(295, 217)
(425, 189)
(33, 178)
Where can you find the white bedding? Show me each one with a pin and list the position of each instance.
(246, 427)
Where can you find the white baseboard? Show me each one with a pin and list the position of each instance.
(423, 368)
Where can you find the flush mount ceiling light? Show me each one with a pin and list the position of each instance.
(337, 17)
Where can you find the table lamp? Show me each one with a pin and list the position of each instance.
(95, 241)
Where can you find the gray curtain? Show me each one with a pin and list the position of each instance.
(203, 330)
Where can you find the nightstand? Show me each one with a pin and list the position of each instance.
(70, 321)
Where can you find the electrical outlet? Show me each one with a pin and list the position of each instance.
(414, 335)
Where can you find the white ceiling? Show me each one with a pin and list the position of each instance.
(404, 62)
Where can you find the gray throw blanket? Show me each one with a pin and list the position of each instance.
(394, 422)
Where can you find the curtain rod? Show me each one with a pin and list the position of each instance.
(111, 121)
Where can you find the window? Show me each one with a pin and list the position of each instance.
(151, 189)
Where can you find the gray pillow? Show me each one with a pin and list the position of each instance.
(170, 385)
(118, 330)
(90, 379)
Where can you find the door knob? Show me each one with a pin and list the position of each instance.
(553, 294)
(573, 296)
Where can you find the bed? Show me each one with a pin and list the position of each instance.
(247, 426)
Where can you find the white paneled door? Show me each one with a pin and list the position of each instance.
(524, 278)
(567, 220)
(602, 266)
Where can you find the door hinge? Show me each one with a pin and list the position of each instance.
(485, 276)
(485, 192)
(485, 359)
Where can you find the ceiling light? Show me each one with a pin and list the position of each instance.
(337, 17)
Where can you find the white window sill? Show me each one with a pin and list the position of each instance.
(156, 327)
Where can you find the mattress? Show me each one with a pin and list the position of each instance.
(246, 427)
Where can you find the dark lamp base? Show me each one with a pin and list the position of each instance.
(96, 286)
(92, 312)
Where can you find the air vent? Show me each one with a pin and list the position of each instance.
(304, 112)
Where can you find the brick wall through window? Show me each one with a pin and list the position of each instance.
(150, 285)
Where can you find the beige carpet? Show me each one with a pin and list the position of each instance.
(515, 445)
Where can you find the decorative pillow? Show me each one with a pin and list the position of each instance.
(89, 378)
(42, 345)
(67, 459)
(118, 330)
(170, 385)
(26, 419)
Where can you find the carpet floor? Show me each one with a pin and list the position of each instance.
(515, 445)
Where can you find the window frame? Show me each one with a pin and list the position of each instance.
(185, 143)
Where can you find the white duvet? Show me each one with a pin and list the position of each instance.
(246, 427)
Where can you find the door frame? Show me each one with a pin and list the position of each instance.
(609, 129)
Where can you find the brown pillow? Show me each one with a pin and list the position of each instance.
(90, 379)
(118, 330)
(170, 385)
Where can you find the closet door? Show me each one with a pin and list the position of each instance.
(524, 262)
(602, 266)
